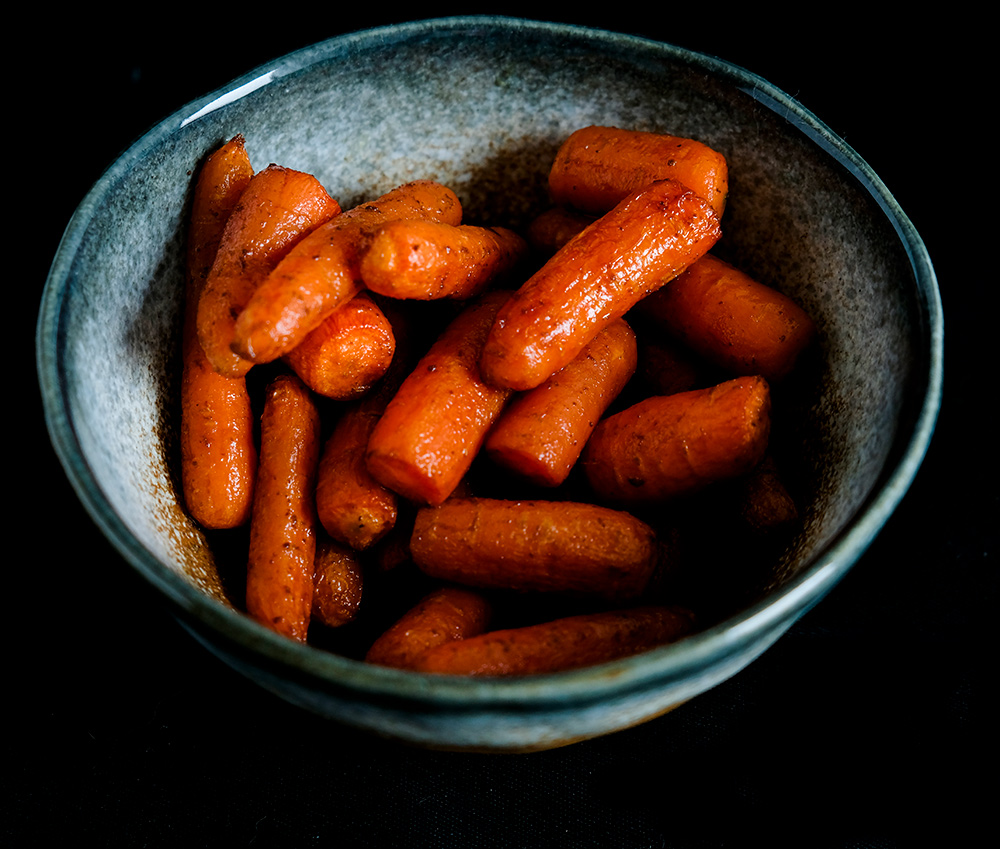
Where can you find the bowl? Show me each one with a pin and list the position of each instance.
(370, 110)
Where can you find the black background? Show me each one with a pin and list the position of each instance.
(866, 727)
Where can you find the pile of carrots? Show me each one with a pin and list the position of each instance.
(403, 347)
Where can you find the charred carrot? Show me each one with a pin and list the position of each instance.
(671, 444)
(283, 524)
(545, 546)
(321, 273)
(554, 227)
(218, 454)
(596, 277)
(348, 353)
(732, 320)
(277, 208)
(426, 260)
(541, 433)
(436, 423)
(571, 642)
(598, 166)
(446, 614)
(338, 584)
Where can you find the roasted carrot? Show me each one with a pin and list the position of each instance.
(596, 277)
(348, 353)
(571, 642)
(541, 433)
(338, 584)
(667, 445)
(545, 546)
(443, 615)
(598, 166)
(666, 367)
(426, 260)
(732, 320)
(765, 504)
(436, 423)
(277, 208)
(218, 453)
(283, 523)
(554, 227)
(321, 273)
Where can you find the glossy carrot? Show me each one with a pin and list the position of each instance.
(672, 444)
(322, 272)
(435, 425)
(277, 208)
(283, 524)
(444, 615)
(348, 353)
(541, 433)
(427, 260)
(571, 642)
(338, 584)
(596, 167)
(554, 227)
(218, 453)
(732, 320)
(596, 277)
(544, 546)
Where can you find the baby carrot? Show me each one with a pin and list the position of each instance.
(321, 272)
(547, 546)
(436, 423)
(541, 433)
(596, 277)
(671, 444)
(283, 523)
(571, 642)
(218, 454)
(732, 320)
(338, 582)
(278, 207)
(427, 260)
(598, 166)
(765, 503)
(552, 229)
(666, 367)
(347, 353)
(446, 614)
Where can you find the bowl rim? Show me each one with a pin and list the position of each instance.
(673, 663)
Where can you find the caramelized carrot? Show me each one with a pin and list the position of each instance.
(541, 433)
(596, 277)
(435, 425)
(446, 614)
(283, 524)
(218, 454)
(545, 546)
(671, 444)
(338, 583)
(277, 208)
(348, 353)
(571, 642)
(553, 228)
(321, 273)
(732, 320)
(598, 166)
(427, 260)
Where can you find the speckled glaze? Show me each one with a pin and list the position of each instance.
(481, 104)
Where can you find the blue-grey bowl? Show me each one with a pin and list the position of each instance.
(368, 111)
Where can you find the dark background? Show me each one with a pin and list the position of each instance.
(865, 727)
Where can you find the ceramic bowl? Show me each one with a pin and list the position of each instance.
(482, 104)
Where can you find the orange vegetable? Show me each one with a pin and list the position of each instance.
(541, 433)
(732, 320)
(427, 260)
(218, 453)
(436, 423)
(348, 353)
(277, 208)
(598, 166)
(338, 583)
(765, 504)
(567, 643)
(283, 524)
(666, 367)
(553, 228)
(322, 272)
(596, 277)
(546, 546)
(671, 444)
(444, 615)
